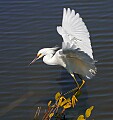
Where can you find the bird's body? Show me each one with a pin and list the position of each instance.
(76, 52)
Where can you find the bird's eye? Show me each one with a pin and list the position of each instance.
(38, 55)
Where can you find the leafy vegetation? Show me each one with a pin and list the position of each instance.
(87, 114)
(57, 109)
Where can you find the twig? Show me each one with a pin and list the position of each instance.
(37, 113)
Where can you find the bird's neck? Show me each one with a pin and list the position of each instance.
(49, 59)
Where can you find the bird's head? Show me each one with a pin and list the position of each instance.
(44, 52)
(40, 54)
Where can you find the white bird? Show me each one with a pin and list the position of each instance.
(76, 52)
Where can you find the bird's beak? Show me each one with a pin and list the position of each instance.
(36, 58)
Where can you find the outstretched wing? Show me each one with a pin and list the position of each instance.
(75, 32)
(76, 46)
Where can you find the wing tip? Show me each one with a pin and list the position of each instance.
(68, 9)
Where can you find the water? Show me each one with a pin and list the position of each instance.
(25, 27)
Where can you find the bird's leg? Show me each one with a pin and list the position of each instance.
(79, 76)
(78, 86)
(75, 80)
(75, 89)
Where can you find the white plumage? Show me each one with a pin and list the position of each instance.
(76, 53)
(74, 31)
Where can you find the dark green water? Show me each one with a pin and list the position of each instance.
(28, 25)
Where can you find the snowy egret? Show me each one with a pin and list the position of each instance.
(76, 52)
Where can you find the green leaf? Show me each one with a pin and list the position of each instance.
(88, 111)
(57, 96)
(81, 117)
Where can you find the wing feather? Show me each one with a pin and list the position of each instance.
(77, 61)
(74, 31)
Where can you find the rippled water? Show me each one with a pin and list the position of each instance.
(25, 27)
